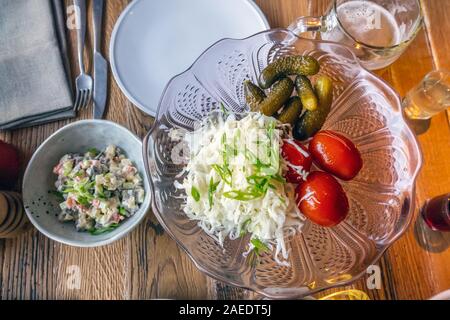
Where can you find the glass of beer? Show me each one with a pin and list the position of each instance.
(378, 31)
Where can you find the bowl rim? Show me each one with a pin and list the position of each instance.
(74, 243)
(411, 190)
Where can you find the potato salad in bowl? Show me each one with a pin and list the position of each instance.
(99, 189)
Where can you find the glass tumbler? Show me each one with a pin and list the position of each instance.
(436, 213)
(429, 97)
(378, 31)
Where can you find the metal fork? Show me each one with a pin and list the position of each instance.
(83, 82)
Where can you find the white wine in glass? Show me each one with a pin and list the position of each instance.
(429, 97)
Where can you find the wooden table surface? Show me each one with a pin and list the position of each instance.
(148, 264)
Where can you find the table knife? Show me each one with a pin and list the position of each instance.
(100, 64)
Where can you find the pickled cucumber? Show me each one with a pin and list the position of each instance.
(291, 111)
(291, 65)
(279, 94)
(312, 121)
(253, 95)
(306, 93)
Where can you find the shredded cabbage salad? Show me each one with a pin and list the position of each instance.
(234, 182)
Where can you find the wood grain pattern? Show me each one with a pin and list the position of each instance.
(408, 264)
(148, 264)
(437, 24)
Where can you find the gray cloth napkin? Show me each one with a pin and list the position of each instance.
(35, 86)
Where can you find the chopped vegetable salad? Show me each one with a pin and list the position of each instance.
(98, 189)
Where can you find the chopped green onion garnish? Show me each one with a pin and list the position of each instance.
(244, 227)
(195, 194)
(122, 211)
(223, 172)
(84, 201)
(259, 246)
(224, 151)
(242, 195)
(94, 151)
(222, 107)
(58, 194)
(279, 178)
(96, 232)
(211, 189)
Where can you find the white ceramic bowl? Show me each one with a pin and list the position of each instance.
(42, 207)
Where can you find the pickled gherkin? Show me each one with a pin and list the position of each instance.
(306, 93)
(291, 65)
(253, 95)
(279, 94)
(291, 111)
(312, 121)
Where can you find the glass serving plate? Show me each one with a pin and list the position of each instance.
(365, 109)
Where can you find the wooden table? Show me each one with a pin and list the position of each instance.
(148, 263)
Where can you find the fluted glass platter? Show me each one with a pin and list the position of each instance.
(365, 109)
(153, 41)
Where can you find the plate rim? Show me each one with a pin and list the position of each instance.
(112, 43)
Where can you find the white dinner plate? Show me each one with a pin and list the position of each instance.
(154, 40)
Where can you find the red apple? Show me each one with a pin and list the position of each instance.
(9, 165)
